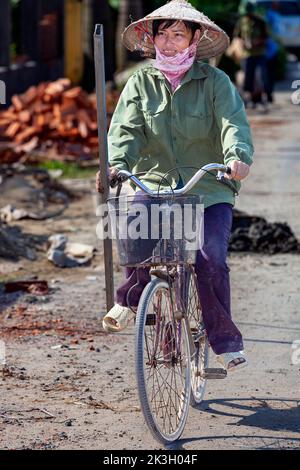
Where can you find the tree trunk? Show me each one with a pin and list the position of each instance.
(96, 11)
(5, 32)
(128, 10)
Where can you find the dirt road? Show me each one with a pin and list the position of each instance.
(69, 385)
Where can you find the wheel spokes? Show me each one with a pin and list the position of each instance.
(166, 360)
(194, 312)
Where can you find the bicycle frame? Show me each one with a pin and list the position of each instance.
(178, 294)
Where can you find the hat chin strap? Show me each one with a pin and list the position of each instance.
(204, 36)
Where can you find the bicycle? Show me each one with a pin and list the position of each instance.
(171, 347)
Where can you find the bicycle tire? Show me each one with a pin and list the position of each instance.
(201, 358)
(155, 408)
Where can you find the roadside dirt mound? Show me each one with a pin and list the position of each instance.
(255, 234)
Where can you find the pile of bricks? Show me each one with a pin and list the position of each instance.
(55, 120)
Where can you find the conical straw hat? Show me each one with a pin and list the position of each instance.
(138, 35)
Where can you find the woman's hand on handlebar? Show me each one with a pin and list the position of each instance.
(112, 173)
(239, 170)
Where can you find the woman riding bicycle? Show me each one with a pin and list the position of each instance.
(181, 112)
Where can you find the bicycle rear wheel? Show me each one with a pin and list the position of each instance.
(162, 363)
(200, 361)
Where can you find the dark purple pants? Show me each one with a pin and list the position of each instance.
(213, 281)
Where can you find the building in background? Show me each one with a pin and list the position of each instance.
(31, 43)
(42, 40)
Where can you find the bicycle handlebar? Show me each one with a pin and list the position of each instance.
(124, 175)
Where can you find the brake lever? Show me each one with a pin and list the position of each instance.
(226, 181)
(221, 174)
(117, 180)
(114, 182)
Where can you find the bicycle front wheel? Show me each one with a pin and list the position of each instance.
(162, 363)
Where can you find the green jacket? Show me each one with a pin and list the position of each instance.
(154, 130)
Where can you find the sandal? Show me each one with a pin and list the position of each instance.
(232, 361)
(117, 319)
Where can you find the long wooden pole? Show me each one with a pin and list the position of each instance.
(103, 154)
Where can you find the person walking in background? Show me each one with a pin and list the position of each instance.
(273, 20)
(253, 31)
(272, 50)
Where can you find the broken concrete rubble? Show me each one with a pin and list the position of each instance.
(68, 255)
(34, 193)
(15, 244)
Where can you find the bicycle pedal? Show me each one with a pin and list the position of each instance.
(210, 373)
(151, 319)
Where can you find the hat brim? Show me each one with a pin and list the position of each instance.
(138, 36)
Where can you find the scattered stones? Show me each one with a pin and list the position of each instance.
(68, 255)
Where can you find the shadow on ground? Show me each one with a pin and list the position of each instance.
(270, 414)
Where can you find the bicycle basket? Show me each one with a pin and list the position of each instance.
(156, 230)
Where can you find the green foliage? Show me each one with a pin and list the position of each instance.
(114, 3)
(216, 9)
(281, 63)
(223, 13)
(69, 170)
(16, 47)
(13, 51)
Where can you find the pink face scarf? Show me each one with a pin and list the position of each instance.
(175, 67)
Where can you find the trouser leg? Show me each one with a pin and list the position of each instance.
(249, 69)
(214, 283)
(129, 293)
